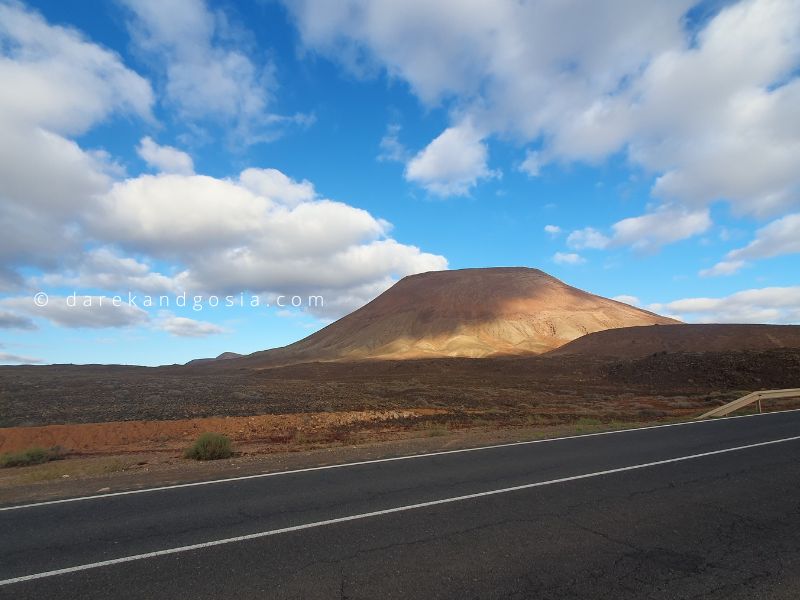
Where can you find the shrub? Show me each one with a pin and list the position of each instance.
(30, 456)
(210, 446)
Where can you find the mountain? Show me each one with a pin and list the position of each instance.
(639, 342)
(223, 356)
(467, 313)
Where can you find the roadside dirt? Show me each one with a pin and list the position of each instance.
(88, 475)
(137, 436)
(132, 455)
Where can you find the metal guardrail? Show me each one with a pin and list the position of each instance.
(749, 399)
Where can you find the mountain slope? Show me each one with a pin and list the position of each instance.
(469, 313)
(223, 356)
(639, 342)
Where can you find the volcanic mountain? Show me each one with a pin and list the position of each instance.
(468, 313)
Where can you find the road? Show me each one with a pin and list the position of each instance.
(700, 510)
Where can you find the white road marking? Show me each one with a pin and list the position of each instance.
(380, 460)
(398, 509)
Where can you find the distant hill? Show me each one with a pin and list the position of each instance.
(639, 342)
(461, 313)
(223, 356)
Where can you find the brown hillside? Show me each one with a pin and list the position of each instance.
(462, 313)
(638, 342)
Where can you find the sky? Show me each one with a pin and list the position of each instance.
(258, 169)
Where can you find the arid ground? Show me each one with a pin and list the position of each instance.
(109, 419)
(115, 415)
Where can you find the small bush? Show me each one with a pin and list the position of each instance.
(30, 456)
(210, 446)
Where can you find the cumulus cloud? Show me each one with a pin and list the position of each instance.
(712, 112)
(760, 305)
(275, 185)
(553, 230)
(647, 232)
(60, 81)
(92, 312)
(261, 232)
(73, 218)
(102, 268)
(451, 164)
(740, 139)
(185, 327)
(55, 84)
(778, 238)
(568, 258)
(587, 238)
(165, 159)
(207, 74)
(651, 231)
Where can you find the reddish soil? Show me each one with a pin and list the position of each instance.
(137, 436)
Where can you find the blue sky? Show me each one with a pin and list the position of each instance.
(643, 150)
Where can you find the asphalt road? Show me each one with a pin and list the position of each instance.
(705, 510)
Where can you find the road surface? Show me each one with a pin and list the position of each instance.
(700, 510)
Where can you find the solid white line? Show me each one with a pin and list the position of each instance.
(387, 511)
(380, 460)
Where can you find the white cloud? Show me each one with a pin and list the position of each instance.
(55, 84)
(262, 232)
(184, 327)
(102, 268)
(54, 79)
(451, 164)
(207, 74)
(665, 226)
(553, 230)
(73, 216)
(780, 237)
(163, 215)
(165, 158)
(185, 216)
(625, 299)
(276, 186)
(16, 359)
(80, 311)
(725, 267)
(761, 305)
(391, 149)
(647, 232)
(568, 258)
(532, 163)
(587, 238)
(10, 320)
(741, 139)
(713, 113)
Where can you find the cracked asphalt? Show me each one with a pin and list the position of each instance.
(724, 526)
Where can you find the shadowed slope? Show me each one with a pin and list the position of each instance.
(638, 342)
